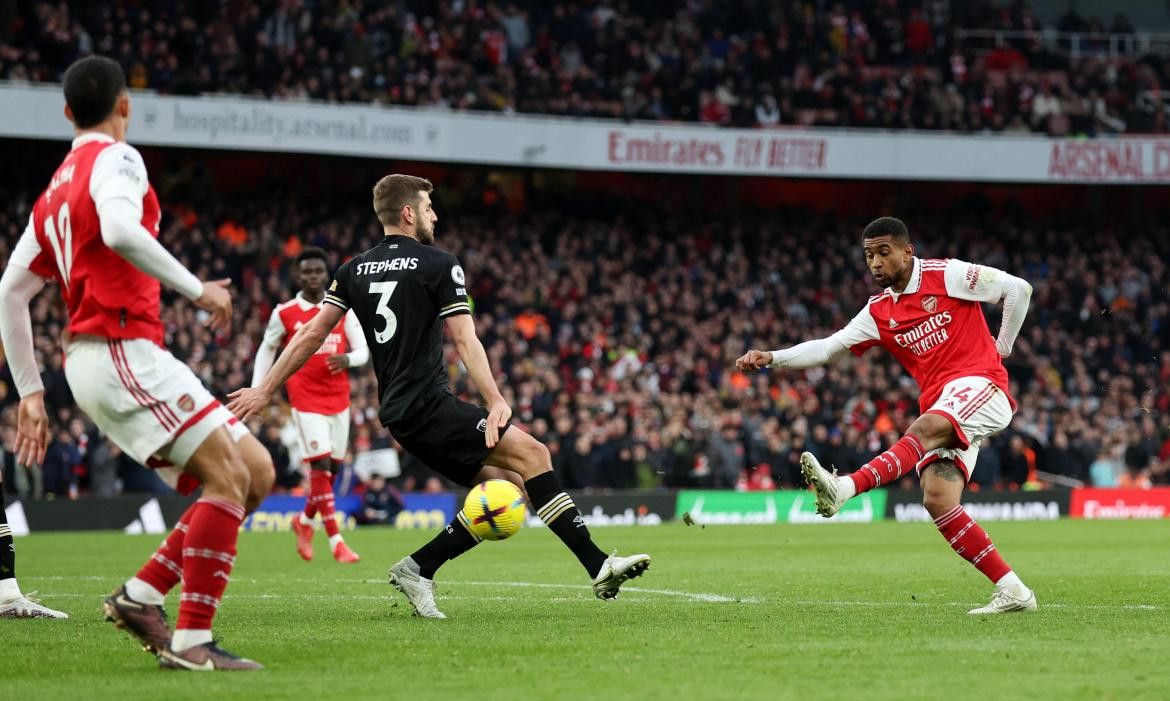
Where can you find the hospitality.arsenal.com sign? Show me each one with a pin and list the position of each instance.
(371, 131)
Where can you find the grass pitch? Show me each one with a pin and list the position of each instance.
(747, 612)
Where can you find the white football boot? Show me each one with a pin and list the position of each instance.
(419, 590)
(616, 570)
(1003, 602)
(827, 485)
(27, 607)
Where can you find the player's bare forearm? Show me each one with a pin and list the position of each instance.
(304, 343)
(476, 361)
(471, 352)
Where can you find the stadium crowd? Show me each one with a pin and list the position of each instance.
(897, 64)
(616, 345)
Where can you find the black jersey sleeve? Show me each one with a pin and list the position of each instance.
(449, 288)
(338, 293)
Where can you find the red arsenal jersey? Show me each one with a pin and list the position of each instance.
(104, 293)
(935, 327)
(314, 389)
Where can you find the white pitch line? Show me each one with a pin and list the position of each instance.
(693, 596)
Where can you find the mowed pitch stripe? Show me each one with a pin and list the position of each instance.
(693, 596)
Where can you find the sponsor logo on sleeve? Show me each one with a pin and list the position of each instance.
(972, 276)
(457, 275)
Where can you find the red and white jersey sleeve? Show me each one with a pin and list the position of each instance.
(860, 334)
(27, 253)
(119, 172)
(977, 283)
(275, 332)
(105, 295)
(355, 338)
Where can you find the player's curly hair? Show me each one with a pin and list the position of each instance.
(312, 253)
(394, 192)
(887, 226)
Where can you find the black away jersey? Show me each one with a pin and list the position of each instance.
(401, 290)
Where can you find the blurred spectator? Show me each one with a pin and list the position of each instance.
(613, 335)
(62, 458)
(381, 502)
(737, 62)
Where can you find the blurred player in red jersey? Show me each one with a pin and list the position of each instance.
(94, 231)
(319, 394)
(930, 318)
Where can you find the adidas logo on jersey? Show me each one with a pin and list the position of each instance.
(893, 324)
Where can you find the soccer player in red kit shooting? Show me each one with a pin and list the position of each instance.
(319, 394)
(930, 318)
(94, 231)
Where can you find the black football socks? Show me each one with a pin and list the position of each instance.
(560, 514)
(7, 549)
(455, 539)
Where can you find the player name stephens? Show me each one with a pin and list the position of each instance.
(379, 266)
(925, 336)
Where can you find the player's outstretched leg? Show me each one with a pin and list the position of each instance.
(137, 605)
(209, 548)
(942, 487)
(414, 575)
(833, 490)
(528, 458)
(13, 603)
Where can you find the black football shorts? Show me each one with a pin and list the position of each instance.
(447, 434)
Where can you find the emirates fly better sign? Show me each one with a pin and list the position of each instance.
(532, 141)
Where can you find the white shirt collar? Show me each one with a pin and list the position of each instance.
(306, 304)
(914, 284)
(91, 137)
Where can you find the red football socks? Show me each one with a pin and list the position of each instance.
(164, 569)
(971, 542)
(321, 499)
(890, 465)
(209, 552)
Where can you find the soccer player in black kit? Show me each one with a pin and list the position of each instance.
(404, 290)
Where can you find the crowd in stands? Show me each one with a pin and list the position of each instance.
(615, 345)
(896, 64)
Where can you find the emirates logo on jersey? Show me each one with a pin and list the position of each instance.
(929, 303)
(926, 336)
